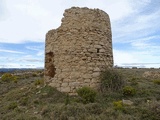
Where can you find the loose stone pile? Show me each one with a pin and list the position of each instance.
(77, 51)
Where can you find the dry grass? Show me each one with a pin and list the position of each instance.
(26, 101)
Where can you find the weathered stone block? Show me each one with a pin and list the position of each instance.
(64, 84)
(95, 74)
(97, 69)
(65, 89)
(85, 76)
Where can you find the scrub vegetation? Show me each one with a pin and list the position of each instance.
(125, 94)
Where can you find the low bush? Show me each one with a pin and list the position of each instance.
(87, 94)
(12, 106)
(48, 90)
(7, 77)
(118, 105)
(155, 109)
(23, 101)
(111, 80)
(134, 81)
(67, 100)
(156, 82)
(34, 75)
(39, 82)
(129, 91)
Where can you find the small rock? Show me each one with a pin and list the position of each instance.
(36, 112)
(38, 86)
(127, 102)
(38, 92)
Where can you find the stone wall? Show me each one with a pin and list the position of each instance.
(77, 51)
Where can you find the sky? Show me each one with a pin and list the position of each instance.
(24, 24)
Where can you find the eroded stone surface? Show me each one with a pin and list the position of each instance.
(77, 51)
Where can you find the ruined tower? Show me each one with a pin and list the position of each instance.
(77, 51)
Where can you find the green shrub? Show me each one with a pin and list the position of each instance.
(39, 82)
(111, 80)
(155, 110)
(36, 101)
(23, 101)
(15, 79)
(26, 76)
(134, 81)
(156, 82)
(118, 105)
(48, 91)
(129, 91)
(67, 100)
(87, 94)
(7, 77)
(34, 75)
(12, 105)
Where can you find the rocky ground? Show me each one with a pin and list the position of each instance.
(28, 98)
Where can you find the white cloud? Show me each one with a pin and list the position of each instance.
(39, 49)
(3, 10)
(138, 58)
(142, 22)
(134, 23)
(11, 51)
(119, 9)
(145, 43)
(24, 23)
(31, 60)
(123, 57)
(36, 48)
(40, 53)
(17, 65)
(30, 20)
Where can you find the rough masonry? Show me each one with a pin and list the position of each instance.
(77, 51)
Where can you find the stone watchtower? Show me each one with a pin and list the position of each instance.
(77, 51)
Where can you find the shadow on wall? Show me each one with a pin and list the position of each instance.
(50, 68)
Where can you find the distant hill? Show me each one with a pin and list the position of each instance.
(15, 69)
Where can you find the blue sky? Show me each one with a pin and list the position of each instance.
(24, 23)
